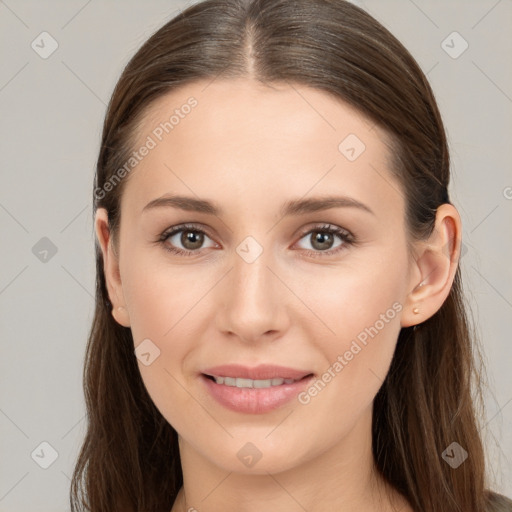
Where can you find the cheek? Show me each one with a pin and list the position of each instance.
(163, 303)
(168, 304)
(363, 309)
(352, 299)
(160, 296)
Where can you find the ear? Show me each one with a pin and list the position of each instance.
(434, 269)
(111, 268)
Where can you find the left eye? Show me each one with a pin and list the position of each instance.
(322, 238)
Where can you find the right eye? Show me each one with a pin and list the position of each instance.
(189, 236)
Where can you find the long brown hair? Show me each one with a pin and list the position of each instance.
(431, 396)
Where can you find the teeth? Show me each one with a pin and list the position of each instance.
(250, 383)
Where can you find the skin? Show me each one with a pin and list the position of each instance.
(250, 148)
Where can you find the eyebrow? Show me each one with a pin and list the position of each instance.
(291, 207)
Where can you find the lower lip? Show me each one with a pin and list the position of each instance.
(255, 400)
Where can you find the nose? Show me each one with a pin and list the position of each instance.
(252, 301)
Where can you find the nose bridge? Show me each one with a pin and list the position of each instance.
(253, 303)
(251, 275)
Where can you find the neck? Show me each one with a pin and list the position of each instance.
(343, 478)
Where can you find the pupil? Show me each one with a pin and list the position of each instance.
(321, 238)
(192, 237)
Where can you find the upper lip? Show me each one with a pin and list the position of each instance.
(261, 372)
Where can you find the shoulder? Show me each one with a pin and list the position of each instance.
(496, 502)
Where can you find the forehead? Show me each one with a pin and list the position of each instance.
(260, 109)
(240, 137)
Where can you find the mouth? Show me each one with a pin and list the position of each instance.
(240, 382)
(254, 396)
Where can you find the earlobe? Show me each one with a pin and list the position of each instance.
(437, 260)
(111, 268)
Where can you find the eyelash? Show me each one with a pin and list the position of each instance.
(347, 238)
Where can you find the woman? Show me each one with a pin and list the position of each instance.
(279, 317)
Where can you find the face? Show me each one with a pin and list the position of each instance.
(318, 290)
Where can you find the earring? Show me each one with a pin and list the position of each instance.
(416, 310)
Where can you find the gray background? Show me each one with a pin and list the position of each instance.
(51, 115)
